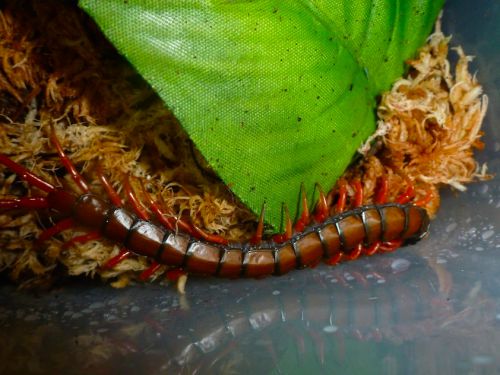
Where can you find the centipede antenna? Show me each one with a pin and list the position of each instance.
(321, 210)
(122, 255)
(30, 203)
(68, 165)
(26, 175)
(305, 216)
(112, 194)
(257, 237)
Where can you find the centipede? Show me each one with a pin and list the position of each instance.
(349, 233)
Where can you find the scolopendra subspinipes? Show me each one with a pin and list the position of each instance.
(345, 235)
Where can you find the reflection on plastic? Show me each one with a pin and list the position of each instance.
(317, 326)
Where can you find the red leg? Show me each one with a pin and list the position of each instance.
(172, 223)
(382, 191)
(57, 228)
(288, 233)
(391, 245)
(321, 211)
(341, 201)
(425, 200)
(30, 203)
(174, 274)
(136, 205)
(82, 239)
(77, 177)
(372, 249)
(214, 238)
(355, 253)
(305, 217)
(335, 259)
(26, 175)
(408, 194)
(380, 198)
(122, 255)
(148, 272)
(113, 195)
(358, 193)
(257, 237)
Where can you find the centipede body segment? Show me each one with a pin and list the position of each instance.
(346, 234)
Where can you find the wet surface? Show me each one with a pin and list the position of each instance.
(426, 309)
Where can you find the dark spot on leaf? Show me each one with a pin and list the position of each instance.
(299, 119)
(351, 86)
(318, 97)
(354, 134)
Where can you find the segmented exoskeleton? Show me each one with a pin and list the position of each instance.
(364, 229)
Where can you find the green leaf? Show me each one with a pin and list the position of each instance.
(274, 93)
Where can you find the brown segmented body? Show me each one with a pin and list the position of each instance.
(340, 233)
